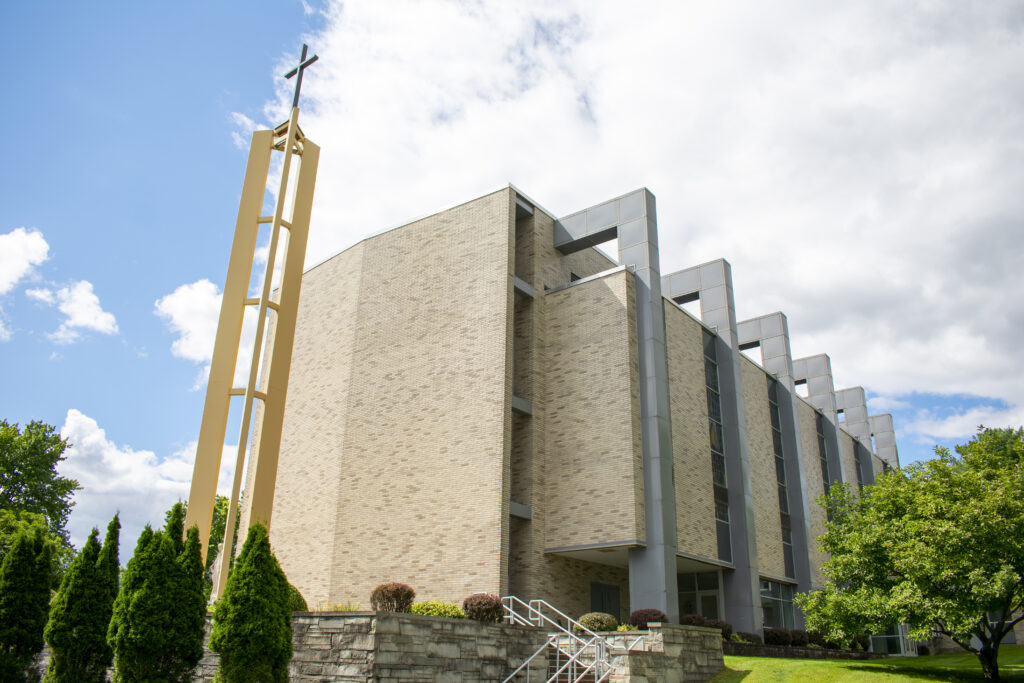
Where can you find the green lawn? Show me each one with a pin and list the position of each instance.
(963, 667)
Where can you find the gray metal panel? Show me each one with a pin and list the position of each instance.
(520, 510)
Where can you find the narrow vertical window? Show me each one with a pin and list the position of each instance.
(717, 441)
(780, 476)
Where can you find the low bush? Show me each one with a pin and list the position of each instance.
(799, 638)
(296, 603)
(484, 607)
(923, 650)
(724, 626)
(813, 646)
(692, 620)
(641, 617)
(745, 637)
(861, 642)
(598, 621)
(343, 607)
(778, 636)
(392, 597)
(816, 638)
(438, 608)
(626, 627)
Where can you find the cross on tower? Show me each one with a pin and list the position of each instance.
(303, 64)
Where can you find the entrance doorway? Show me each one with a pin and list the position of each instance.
(700, 593)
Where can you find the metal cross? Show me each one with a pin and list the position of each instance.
(303, 64)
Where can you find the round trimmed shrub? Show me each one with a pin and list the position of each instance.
(778, 636)
(484, 607)
(392, 597)
(692, 620)
(296, 603)
(438, 608)
(641, 617)
(598, 621)
(799, 638)
(724, 626)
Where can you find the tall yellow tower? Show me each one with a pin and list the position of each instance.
(276, 310)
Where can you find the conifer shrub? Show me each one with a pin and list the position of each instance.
(484, 607)
(156, 630)
(641, 617)
(778, 636)
(724, 626)
(392, 597)
(598, 621)
(25, 577)
(252, 623)
(296, 603)
(438, 608)
(692, 620)
(80, 612)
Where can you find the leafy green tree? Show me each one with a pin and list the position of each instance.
(252, 622)
(15, 522)
(938, 546)
(157, 627)
(28, 473)
(25, 578)
(81, 610)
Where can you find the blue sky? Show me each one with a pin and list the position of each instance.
(859, 164)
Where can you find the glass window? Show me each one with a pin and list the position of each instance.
(707, 581)
(711, 374)
(777, 604)
(783, 499)
(709, 345)
(717, 443)
(718, 468)
(714, 405)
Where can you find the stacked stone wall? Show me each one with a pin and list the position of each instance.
(369, 646)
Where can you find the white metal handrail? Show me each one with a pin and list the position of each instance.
(538, 613)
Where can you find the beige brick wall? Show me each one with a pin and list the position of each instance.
(812, 474)
(562, 581)
(395, 449)
(691, 449)
(762, 469)
(592, 419)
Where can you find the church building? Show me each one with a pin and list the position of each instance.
(480, 400)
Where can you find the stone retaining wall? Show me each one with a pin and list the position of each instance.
(378, 646)
(758, 650)
(667, 653)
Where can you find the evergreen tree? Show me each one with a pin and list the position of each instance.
(252, 622)
(78, 619)
(25, 578)
(157, 627)
(175, 527)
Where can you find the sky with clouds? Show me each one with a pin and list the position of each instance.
(858, 163)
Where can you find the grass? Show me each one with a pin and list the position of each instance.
(957, 667)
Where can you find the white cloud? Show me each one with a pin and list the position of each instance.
(244, 127)
(115, 478)
(192, 311)
(43, 295)
(20, 251)
(964, 423)
(849, 159)
(82, 311)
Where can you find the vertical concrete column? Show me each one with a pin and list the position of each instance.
(771, 333)
(711, 284)
(853, 403)
(632, 218)
(816, 372)
(885, 438)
